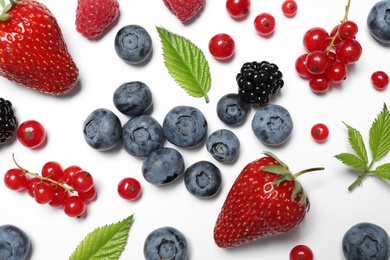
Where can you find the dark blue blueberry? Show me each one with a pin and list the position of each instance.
(272, 124)
(14, 243)
(378, 21)
(163, 166)
(203, 179)
(166, 243)
(232, 110)
(133, 98)
(133, 44)
(223, 145)
(142, 135)
(185, 126)
(366, 241)
(102, 129)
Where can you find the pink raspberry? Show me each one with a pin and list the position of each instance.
(184, 10)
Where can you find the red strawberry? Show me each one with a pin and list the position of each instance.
(184, 10)
(94, 16)
(33, 52)
(265, 200)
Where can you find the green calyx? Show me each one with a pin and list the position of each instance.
(4, 16)
(286, 175)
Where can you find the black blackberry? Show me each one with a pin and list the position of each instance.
(259, 81)
(7, 120)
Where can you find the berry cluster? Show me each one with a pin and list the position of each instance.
(328, 55)
(70, 189)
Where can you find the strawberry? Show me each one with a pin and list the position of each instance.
(33, 52)
(94, 16)
(265, 200)
(184, 10)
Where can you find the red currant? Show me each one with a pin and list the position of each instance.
(319, 132)
(264, 24)
(74, 206)
(31, 134)
(349, 51)
(319, 84)
(332, 34)
(316, 39)
(129, 189)
(222, 46)
(15, 179)
(30, 186)
(238, 8)
(52, 170)
(43, 192)
(60, 195)
(289, 8)
(88, 195)
(348, 30)
(317, 62)
(68, 173)
(82, 181)
(379, 80)
(300, 66)
(301, 252)
(336, 72)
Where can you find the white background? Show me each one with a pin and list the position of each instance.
(333, 208)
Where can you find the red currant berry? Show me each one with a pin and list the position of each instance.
(43, 192)
(30, 186)
(129, 189)
(301, 252)
(264, 24)
(15, 179)
(52, 170)
(68, 173)
(31, 134)
(317, 62)
(319, 132)
(349, 51)
(289, 8)
(336, 72)
(60, 195)
(74, 206)
(221, 46)
(82, 181)
(238, 8)
(300, 66)
(348, 30)
(379, 80)
(89, 195)
(319, 84)
(316, 39)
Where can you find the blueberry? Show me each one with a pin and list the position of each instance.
(166, 243)
(133, 44)
(272, 124)
(14, 243)
(133, 98)
(203, 179)
(102, 129)
(223, 145)
(163, 166)
(365, 241)
(185, 126)
(142, 135)
(232, 110)
(378, 21)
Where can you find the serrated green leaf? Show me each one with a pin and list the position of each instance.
(383, 171)
(356, 141)
(380, 134)
(352, 161)
(186, 64)
(107, 242)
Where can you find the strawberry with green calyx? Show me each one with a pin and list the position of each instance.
(265, 200)
(33, 52)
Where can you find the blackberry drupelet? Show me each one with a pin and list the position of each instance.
(7, 120)
(259, 81)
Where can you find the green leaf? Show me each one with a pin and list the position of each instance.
(276, 169)
(186, 63)
(352, 161)
(380, 134)
(356, 141)
(107, 242)
(383, 171)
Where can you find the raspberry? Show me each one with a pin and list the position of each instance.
(7, 120)
(184, 10)
(259, 81)
(93, 17)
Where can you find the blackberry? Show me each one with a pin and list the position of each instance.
(7, 120)
(259, 81)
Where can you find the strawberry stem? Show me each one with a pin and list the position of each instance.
(308, 170)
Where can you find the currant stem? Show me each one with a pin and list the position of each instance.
(308, 170)
(66, 188)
